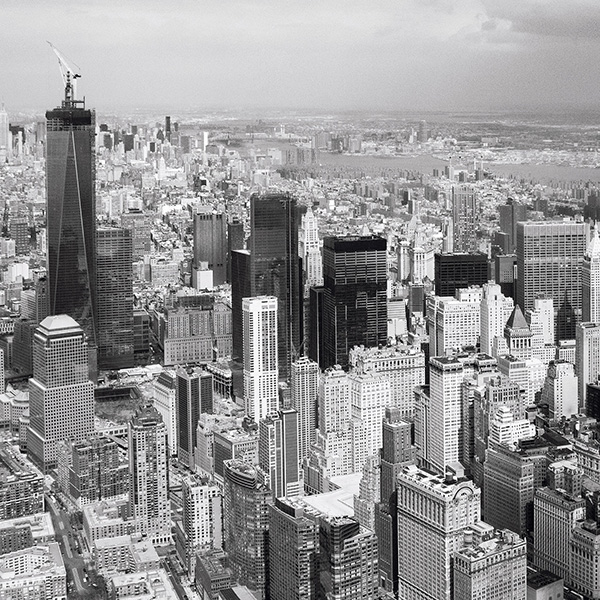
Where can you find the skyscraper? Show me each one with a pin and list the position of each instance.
(310, 252)
(304, 385)
(71, 213)
(549, 257)
(194, 389)
(4, 134)
(61, 396)
(587, 362)
(149, 504)
(115, 298)
(456, 271)
(510, 214)
(210, 243)
(246, 499)
(590, 281)
(495, 311)
(275, 268)
(355, 302)
(465, 213)
(260, 331)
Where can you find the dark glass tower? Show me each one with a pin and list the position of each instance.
(454, 271)
(115, 297)
(210, 243)
(354, 310)
(71, 213)
(275, 268)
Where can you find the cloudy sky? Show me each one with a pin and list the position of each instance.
(314, 54)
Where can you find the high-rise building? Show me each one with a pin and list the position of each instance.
(587, 362)
(549, 259)
(149, 505)
(433, 514)
(354, 299)
(5, 137)
(138, 223)
(510, 214)
(397, 451)
(194, 390)
(202, 517)
(585, 550)
(236, 239)
(347, 560)
(496, 308)
(71, 213)
(115, 298)
(560, 390)
(240, 288)
(278, 453)
(310, 251)
(246, 500)
(590, 281)
(293, 550)
(304, 385)
(260, 333)
(465, 214)
(61, 396)
(492, 565)
(165, 401)
(557, 508)
(210, 243)
(455, 271)
(275, 268)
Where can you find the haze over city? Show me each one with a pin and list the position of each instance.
(332, 55)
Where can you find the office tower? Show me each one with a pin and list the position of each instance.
(347, 560)
(456, 271)
(260, 332)
(61, 396)
(22, 352)
(354, 297)
(518, 335)
(210, 244)
(404, 366)
(91, 470)
(454, 323)
(275, 268)
(240, 288)
(509, 481)
(213, 574)
(278, 453)
(492, 565)
(496, 309)
(202, 517)
(19, 232)
(557, 508)
(239, 444)
(510, 214)
(369, 396)
(236, 240)
(139, 224)
(71, 213)
(549, 257)
(585, 554)
(368, 497)
(115, 298)
(433, 514)
(165, 401)
(587, 360)
(560, 390)
(293, 550)
(149, 505)
(246, 500)
(465, 214)
(5, 137)
(397, 451)
(194, 390)
(34, 301)
(310, 251)
(505, 266)
(590, 281)
(304, 385)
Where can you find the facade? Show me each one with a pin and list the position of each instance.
(433, 515)
(210, 244)
(590, 281)
(492, 566)
(149, 504)
(194, 393)
(304, 384)
(496, 309)
(354, 297)
(61, 396)
(549, 259)
(165, 402)
(310, 251)
(510, 214)
(456, 271)
(560, 390)
(260, 327)
(115, 298)
(587, 348)
(71, 214)
(465, 215)
(246, 499)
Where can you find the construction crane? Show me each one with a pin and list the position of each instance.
(69, 76)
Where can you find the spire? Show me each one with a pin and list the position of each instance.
(517, 319)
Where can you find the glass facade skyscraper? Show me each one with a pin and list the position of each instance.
(71, 214)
